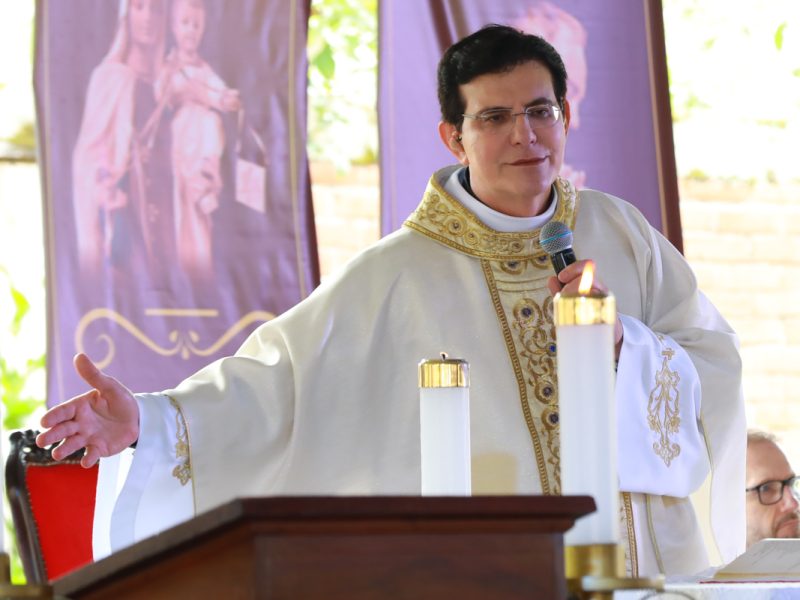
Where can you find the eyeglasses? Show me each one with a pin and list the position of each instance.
(771, 492)
(497, 120)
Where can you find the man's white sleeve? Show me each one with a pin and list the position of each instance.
(157, 491)
(661, 447)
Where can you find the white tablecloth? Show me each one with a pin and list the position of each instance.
(683, 590)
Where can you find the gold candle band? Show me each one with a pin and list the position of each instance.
(607, 560)
(443, 373)
(595, 571)
(588, 309)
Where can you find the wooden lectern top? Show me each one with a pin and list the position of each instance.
(347, 547)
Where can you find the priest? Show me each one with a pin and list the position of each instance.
(323, 399)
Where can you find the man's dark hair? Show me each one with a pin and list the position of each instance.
(493, 49)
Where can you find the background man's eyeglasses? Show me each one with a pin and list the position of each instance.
(771, 492)
(539, 116)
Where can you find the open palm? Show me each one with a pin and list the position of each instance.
(104, 420)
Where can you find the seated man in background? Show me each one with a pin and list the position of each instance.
(772, 510)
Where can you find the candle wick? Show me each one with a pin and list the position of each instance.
(444, 355)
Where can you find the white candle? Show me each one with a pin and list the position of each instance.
(444, 427)
(587, 414)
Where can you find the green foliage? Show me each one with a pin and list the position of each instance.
(369, 157)
(18, 402)
(24, 138)
(19, 405)
(342, 49)
(325, 63)
(774, 123)
(771, 177)
(685, 109)
(22, 307)
(697, 175)
(779, 36)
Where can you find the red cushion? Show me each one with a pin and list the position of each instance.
(62, 500)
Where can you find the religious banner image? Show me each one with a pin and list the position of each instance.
(177, 198)
(620, 136)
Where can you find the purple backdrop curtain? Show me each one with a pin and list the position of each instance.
(620, 138)
(176, 188)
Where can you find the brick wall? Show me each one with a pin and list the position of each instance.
(346, 212)
(743, 242)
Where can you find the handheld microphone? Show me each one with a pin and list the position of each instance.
(556, 239)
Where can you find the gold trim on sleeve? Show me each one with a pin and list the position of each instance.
(183, 471)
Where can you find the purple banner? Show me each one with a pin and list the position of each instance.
(617, 142)
(177, 198)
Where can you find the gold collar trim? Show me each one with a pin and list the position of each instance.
(446, 220)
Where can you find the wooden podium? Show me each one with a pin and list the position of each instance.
(356, 548)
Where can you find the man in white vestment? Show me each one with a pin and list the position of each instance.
(772, 492)
(324, 399)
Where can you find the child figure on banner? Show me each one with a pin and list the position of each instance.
(198, 95)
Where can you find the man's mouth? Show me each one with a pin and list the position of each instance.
(789, 526)
(525, 162)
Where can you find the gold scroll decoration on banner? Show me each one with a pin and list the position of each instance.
(183, 343)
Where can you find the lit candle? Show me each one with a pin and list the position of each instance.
(587, 414)
(444, 427)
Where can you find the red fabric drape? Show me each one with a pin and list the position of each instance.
(62, 500)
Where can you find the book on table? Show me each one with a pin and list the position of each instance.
(772, 559)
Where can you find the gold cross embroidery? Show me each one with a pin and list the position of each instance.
(663, 409)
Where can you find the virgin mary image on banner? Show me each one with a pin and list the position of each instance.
(178, 201)
(147, 162)
(121, 162)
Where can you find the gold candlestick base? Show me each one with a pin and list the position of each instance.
(8, 591)
(595, 571)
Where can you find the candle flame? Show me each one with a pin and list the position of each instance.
(587, 278)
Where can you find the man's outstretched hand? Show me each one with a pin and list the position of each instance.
(104, 420)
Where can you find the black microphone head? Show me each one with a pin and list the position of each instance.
(555, 237)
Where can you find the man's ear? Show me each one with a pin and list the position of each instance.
(451, 138)
(566, 115)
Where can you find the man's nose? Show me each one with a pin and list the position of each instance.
(521, 128)
(790, 499)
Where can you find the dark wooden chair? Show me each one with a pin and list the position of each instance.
(52, 507)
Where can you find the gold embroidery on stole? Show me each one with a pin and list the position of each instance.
(516, 271)
(443, 218)
(183, 471)
(629, 540)
(525, 311)
(663, 409)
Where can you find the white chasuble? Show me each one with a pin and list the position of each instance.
(324, 398)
